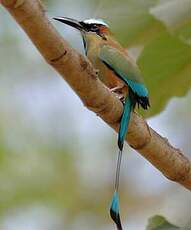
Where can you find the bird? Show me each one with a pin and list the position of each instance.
(120, 73)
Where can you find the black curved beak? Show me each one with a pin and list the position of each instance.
(71, 22)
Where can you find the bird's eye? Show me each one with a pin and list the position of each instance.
(94, 28)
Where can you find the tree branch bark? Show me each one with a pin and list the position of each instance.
(81, 76)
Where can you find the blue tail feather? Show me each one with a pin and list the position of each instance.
(114, 211)
(115, 203)
(124, 122)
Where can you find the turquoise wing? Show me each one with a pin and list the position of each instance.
(125, 69)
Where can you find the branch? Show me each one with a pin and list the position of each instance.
(81, 76)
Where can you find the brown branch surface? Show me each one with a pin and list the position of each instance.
(81, 76)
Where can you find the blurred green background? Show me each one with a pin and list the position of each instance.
(57, 159)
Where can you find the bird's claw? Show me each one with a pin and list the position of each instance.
(121, 98)
(116, 89)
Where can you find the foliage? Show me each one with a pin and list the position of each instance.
(162, 29)
(160, 223)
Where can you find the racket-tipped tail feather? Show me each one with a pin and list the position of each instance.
(114, 211)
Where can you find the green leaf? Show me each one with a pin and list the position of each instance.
(130, 20)
(160, 223)
(175, 15)
(166, 67)
(163, 29)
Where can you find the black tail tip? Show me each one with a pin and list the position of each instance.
(144, 102)
(120, 144)
(116, 218)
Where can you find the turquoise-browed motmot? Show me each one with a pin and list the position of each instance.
(119, 72)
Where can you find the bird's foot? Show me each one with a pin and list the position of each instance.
(121, 98)
(116, 89)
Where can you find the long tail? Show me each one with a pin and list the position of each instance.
(114, 209)
(124, 122)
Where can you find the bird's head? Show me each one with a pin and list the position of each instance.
(89, 26)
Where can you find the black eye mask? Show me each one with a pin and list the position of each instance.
(93, 28)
